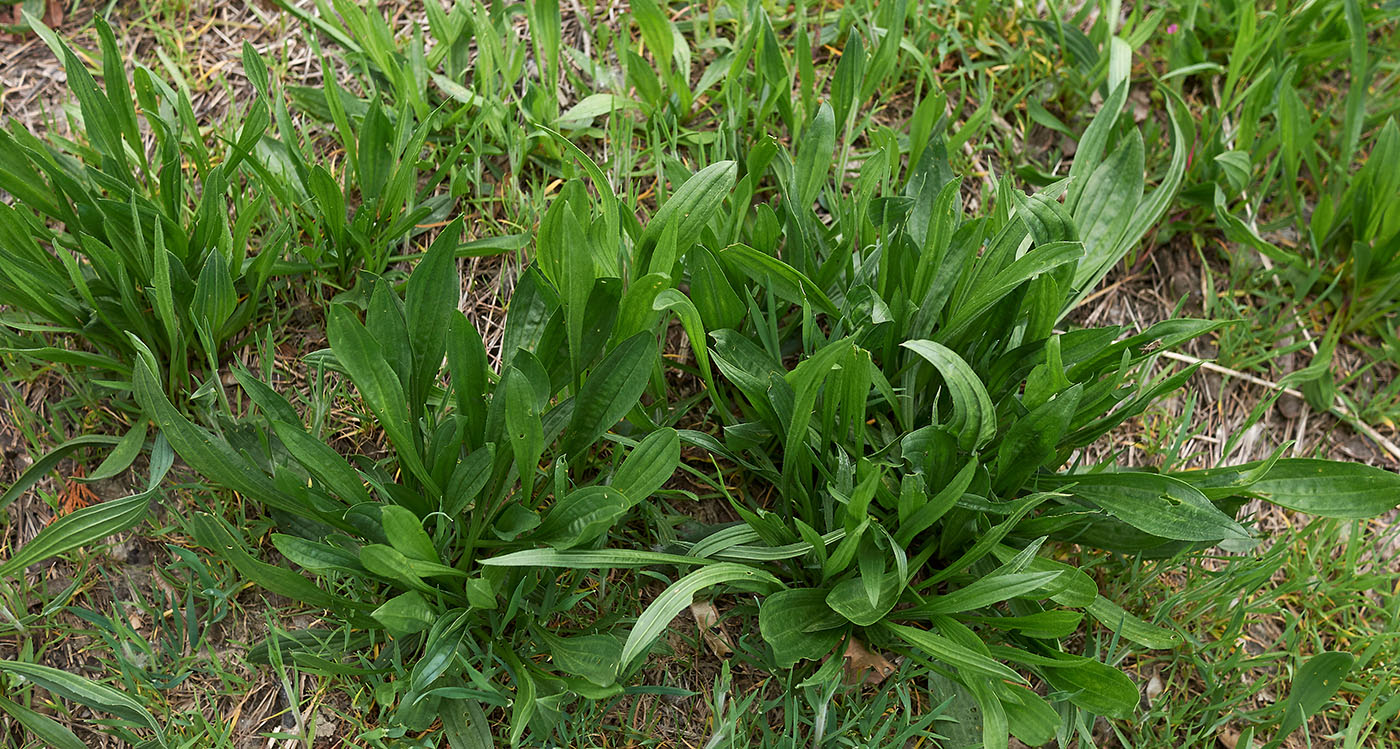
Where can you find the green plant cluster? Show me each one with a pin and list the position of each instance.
(883, 391)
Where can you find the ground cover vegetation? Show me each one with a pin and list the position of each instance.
(449, 358)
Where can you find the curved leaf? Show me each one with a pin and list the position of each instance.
(121, 456)
(692, 206)
(782, 279)
(985, 592)
(51, 459)
(582, 517)
(850, 599)
(78, 529)
(657, 616)
(1097, 687)
(602, 559)
(1130, 627)
(210, 454)
(364, 360)
(42, 727)
(974, 419)
(943, 649)
(87, 693)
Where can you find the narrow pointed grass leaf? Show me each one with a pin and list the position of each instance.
(602, 559)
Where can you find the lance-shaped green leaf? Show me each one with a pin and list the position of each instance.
(814, 156)
(635, 312)
(1097, 687)
(613, 388)
(1130, 627)
(121, 456)
(1040, 260)
(467, 362)
(210, 454)
(363, 358)
(212, 533)
(78, 529)
(430, 299)
(851, 600)
(1319, 678)
(1111, 194)
(582, 517)
(583, 560)
(315, 556)
(592, 657)
(806, 381)
(1032, 440)
(719, 305)
(1156, 504)
(649, 465)
(522, 421)
(946, 650)
(691, 207)
(47, 730)
(405, 614)
(405, 533)
(325, 464)
(985, 592)
(41, 467)
(1231, 481)
(1030, 718)
(89, 694)
(782, 279)
(214, 295)
(1325, 487)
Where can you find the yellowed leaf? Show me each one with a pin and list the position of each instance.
(707, 618)
(864, 664)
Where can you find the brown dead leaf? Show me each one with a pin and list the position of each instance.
(863, 664)
(1229, 738)
(1154, 688)
(53, 13)
(1140, 104)
(707, 618)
